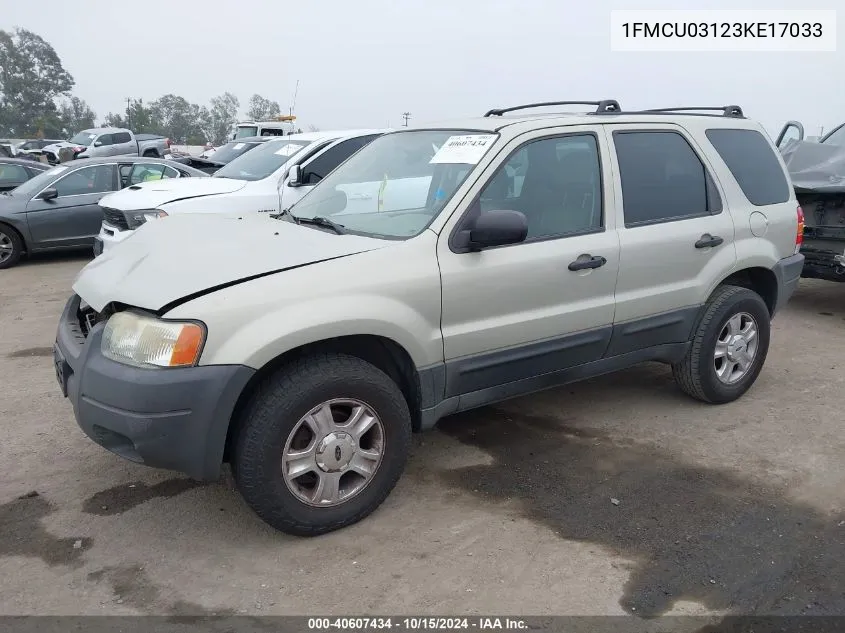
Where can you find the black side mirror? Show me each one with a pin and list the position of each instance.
(497, 228)
(48, 194)
(295, 176)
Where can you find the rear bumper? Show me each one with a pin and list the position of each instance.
(788, 273)
(175, 419)
(823, 264)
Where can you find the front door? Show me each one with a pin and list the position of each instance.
(675, 234)
(74, 217)
(521, 311)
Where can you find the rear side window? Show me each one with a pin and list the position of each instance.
(663, 179)
(753, 163)
(121, 137)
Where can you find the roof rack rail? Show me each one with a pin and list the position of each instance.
(605, 105)
(728, 110)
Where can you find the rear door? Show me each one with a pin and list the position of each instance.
(74, 218)
(124, 144)
(676, 235)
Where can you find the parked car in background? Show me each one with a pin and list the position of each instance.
(222, 155)
(109, 141)
(58, 208)
(281, 127)
(258, 181)
(16, 171)
(34, 147)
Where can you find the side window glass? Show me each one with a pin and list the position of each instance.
(662, 178)
(104, 139)
(555, 182)
(169, 172)
(94, 179)
(121, 137)
(320, 167)
(10, 174)
(142, 172)
(753, 163)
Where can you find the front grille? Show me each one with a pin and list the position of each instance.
(116, 218)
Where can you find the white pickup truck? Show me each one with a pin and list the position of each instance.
(267, 179)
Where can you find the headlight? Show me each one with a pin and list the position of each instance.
(136, 218)
(144, 341)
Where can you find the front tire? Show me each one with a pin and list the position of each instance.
(321, 444)
(729, 346)
(11, 247)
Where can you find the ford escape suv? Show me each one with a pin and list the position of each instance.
(543, 249)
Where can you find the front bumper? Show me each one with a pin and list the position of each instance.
(175, 419)
(788, 274)
(109, 236)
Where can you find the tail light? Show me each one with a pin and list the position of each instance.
(168, 141)
(76, 150)
(799, 234)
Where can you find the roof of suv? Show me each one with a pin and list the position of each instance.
(608, 111)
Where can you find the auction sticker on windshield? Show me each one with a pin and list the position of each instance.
(287, 150)
(466, 149)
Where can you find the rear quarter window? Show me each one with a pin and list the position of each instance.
(753, 163)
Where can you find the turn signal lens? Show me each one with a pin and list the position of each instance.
(799, 235)
(145, 341)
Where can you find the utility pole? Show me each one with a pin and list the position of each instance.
(406, 116)
(128, 113)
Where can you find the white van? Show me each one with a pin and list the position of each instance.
(260, 181)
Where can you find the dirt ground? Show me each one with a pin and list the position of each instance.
(738, 508)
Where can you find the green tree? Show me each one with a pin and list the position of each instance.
(113, 120)
(176, 117)
(31, 77)
(222, 115)
(261, 109)
(76, 115)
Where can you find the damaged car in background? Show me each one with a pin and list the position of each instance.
(817, 170)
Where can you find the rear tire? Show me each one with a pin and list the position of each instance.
(281, 413)
(724, 359)
(11, 247)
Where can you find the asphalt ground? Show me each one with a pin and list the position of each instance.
(612, 496)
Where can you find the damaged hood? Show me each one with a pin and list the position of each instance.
(172, 258)
(815, 167)
(149, 195)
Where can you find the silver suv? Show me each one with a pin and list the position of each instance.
(439, 269)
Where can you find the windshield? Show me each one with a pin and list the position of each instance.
(837, 137)
(260, 162)
(36, 184)
(230, 151)
(83, 138)
(395, 186)
(244, 132)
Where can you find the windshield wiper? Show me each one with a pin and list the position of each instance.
(321, 221)
(285, 212)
